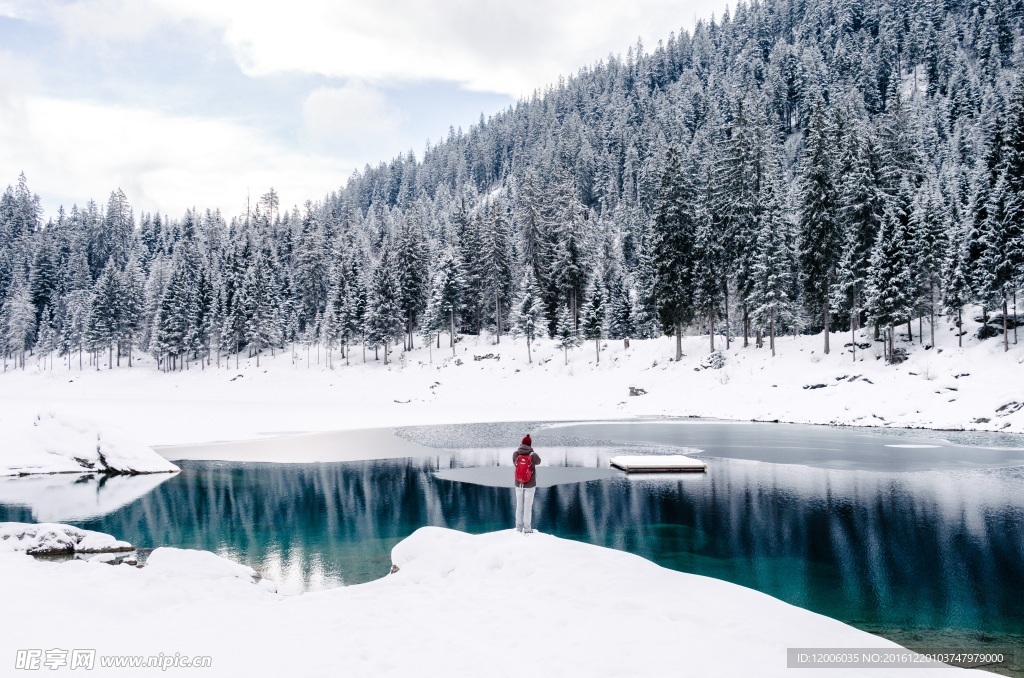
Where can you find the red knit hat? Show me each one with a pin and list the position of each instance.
(527, 440)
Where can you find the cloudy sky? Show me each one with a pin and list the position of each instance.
(197, 102)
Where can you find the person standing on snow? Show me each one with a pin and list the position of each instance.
(525, 461)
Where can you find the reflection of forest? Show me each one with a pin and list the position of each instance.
(932, 550)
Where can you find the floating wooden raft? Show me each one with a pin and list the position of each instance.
(667, 463)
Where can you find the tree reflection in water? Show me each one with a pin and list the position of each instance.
(925, 550)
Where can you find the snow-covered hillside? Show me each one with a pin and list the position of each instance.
(459, 605)
(974, 387)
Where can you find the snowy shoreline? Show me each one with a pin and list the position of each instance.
(947, 388)
(445, 582)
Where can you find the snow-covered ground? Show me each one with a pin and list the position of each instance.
(62, 443)
(497, 604)
(944, 387)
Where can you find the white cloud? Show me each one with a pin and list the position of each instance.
(79, 150)
(355, 118)
(486, 45)
(72, 150)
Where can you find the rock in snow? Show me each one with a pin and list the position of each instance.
(54, 538)
(60, 444)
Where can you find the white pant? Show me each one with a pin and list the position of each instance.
(524, 507)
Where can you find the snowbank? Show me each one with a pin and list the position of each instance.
(53, 538)
(194, 565)
(48, 443)
(459, 605)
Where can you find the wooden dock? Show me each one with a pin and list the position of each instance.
(666, 463)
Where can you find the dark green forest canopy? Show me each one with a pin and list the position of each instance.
(790, 166)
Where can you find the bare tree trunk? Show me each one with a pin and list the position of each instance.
(1006, 329)
(679, 342)
(771, 332)
(727, 342)
(825, 316)
(910, 331)
(597, 350)
(711, 322)
(853, 333)
(746, 325)
(572, 302)
(529, 356)
(453, 331)
(931, 314)
(385, 351)
(1015, 317)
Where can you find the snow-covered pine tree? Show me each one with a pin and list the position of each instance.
(156, 284)
(860, 207)
(105, 315)
(499, 254)
(929, 228)
(847, 287)
(1007, 256)
(674, 229)
(890, 279)
(529, 311)
(956, 286)
(412, 274)
(645, 282)
(44, 279)
(446, 292)
(352, 309)
(75, 324)
(566, 333)
(620, 320)
(384, 320)
(820, 234)
(593, 312)
(261, 301)
(708, 280)
(471, 266)
(46, 340)
(311, 270)
(569, 266)
(132, 306)
(529, 219)
(737, 174)
(769, 298)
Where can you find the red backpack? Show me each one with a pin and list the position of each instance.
(524, 468)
